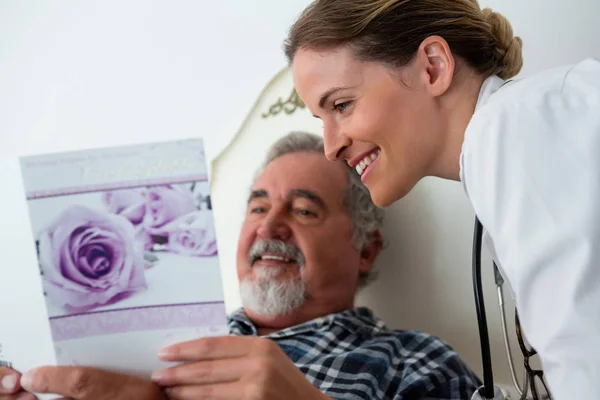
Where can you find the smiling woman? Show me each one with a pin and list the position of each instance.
(347, 72)
(425, 84)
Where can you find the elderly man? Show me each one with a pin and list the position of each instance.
(308, 243)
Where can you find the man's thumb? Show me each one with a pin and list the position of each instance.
(9, 381)
(74, 382)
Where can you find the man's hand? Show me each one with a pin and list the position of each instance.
(232, 367)
(79, 383)
(10, 388)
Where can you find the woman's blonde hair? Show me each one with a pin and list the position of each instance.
(391, 31)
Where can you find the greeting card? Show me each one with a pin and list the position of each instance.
(126, 251)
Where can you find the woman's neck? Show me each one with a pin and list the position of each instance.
(458, 106)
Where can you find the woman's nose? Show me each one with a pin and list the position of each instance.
(335, 144)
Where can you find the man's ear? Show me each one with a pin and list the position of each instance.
(370, 251)
(435, 63)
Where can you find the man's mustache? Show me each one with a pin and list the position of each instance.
(275, 247)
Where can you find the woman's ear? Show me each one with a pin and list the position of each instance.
(370, 251)
(436, 65)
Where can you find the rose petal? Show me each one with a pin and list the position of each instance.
(118, 200)
(135, 213)
(70, 267)
(165, 203)
(193, 234)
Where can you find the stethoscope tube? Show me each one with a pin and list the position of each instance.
(488, 390)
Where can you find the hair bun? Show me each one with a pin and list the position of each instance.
(509, 47)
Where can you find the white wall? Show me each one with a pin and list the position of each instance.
(98, 73)
(95, 73)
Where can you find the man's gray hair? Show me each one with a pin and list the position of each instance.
(366, 217)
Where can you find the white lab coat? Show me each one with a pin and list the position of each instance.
(530, 165)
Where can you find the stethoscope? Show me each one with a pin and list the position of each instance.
(489, 391)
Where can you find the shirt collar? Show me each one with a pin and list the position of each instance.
(359, 319)
(488, 88)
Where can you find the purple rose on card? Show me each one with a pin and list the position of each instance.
(192, 234)
(164, 204)
(130, 203)
(90, 259)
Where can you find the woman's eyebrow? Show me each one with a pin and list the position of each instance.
(328, 93)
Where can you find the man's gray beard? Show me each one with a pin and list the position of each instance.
(271, 295)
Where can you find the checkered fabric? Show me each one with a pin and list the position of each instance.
(354, 355)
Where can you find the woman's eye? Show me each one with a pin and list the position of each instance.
(257, 210)
(341, 107)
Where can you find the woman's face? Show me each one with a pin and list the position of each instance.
(385, 122)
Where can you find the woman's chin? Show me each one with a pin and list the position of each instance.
(381, 196)
(384, 194)
(384, 202)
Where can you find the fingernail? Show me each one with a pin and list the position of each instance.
(157, 376)
(27, 380)
(164, 352)
(9, 382)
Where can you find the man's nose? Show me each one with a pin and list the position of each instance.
(335, 142)
(274, 226)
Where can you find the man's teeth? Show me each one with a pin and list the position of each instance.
(275, 258)
(365, 162)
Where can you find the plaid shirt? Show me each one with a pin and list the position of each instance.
(353, 355)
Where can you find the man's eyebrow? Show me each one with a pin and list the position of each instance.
(257, 194)
(328, 93)
(309, 195)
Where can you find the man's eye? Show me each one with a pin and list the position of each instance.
(341, 107)
(257, 210)
(306, 213)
